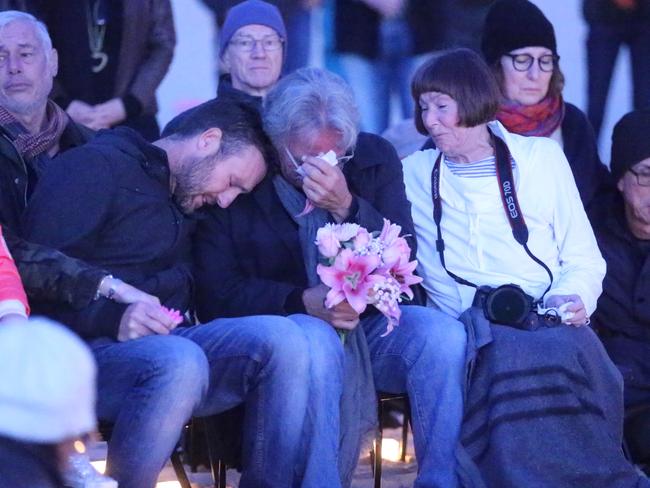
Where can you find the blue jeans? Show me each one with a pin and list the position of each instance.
(287, 371)
(374, 80)
(424, 357)
(603, 44)
(298, 38)
(148, 389)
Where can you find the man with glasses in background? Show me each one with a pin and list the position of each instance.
(252, 51)
(622, 317)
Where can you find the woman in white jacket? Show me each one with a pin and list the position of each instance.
(505, 245)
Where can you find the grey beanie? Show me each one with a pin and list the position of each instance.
(247, 13)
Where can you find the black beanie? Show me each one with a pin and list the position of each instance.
(630, 142)
(513, 24)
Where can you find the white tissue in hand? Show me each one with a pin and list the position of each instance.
(564, 313)
(329, 157)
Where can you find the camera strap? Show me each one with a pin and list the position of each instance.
(510, 203)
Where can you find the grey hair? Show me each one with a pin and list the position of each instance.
(308, 101)
(9, 16)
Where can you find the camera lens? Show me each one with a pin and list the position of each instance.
(507, 304)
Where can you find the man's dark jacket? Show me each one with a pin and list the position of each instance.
(357, 27)
(248, 258)
(46, 273)
(226, 90)
(607, 12)
(623, 313)
(109, 204)
(622, 316)
(581, 150)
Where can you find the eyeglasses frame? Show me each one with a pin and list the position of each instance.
(512, 57)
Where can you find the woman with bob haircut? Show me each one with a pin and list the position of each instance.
(510, 253)
(519, 45)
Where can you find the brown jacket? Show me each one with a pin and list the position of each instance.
(147, 50)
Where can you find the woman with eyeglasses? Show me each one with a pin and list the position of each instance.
(519, 44)
(505, 247)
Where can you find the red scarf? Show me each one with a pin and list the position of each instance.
(541, 119)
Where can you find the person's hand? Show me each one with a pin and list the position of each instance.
(342, 316)
(326, 187)
(625, 4)
(575, 305)
(125, 293)
(311, 4)
(142, 319)
(81, 112)
(109, 113)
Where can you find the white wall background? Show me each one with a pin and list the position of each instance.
(192, 78)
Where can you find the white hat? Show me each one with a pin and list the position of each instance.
(47, 382)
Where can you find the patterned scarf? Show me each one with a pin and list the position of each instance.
(358, 417)
(541, 119)
(32, 145)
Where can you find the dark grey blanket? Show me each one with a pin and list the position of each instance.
(543, 409)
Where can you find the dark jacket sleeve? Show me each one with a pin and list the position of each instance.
(160, 43)
(249, 263)
(50, 275)
(68, 214)
(581, 149)
(379, 189)
(224, 287)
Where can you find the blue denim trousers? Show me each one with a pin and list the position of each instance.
(424, 357)
(373, 81)
(298, 38)
(287, 371)
(148, 388)
(603, 45)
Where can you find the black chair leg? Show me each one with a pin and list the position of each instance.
(217, 466)
(405, 430)
(222, 474)
(180, 470)
(191, 451)
(377, 448)
(375, 454)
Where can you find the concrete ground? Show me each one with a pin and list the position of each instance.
(395, 474)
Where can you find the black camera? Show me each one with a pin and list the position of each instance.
(505, 304)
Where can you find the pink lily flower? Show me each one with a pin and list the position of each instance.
(349, 278)
(394, 246)
(402, 271)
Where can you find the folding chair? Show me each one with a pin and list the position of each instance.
(106, 430)
(375, 454)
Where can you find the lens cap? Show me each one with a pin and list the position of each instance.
(507, 305)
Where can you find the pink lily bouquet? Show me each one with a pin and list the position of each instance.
(366, 268)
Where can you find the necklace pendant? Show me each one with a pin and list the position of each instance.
(100, 56)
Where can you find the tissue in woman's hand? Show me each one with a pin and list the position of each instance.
(329, 157)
